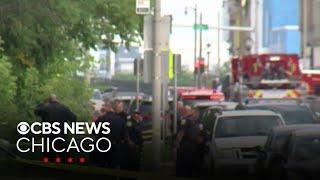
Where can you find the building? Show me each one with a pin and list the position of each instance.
(124, 59)
(310, 33)
(281, 26)
(108, 63)
(246, 18)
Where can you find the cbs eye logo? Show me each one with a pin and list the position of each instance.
(23, 128)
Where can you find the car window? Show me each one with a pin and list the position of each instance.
(145, 107)
(245, 126)
(290, 114)
(298, 115)
(306, 148)
(267, 146)
(280, 141)
(208, 120)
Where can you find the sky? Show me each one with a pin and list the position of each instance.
(182, 37)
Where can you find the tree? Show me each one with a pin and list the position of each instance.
(45, 43)
(38, 33)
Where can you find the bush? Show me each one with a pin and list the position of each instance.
(72, 92)
(7, 91)
(28, 95)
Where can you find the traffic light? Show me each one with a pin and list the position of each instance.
(177, 58)
(199, 66)
(202, 65)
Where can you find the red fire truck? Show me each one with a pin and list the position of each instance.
(311, 79)
(268, 75)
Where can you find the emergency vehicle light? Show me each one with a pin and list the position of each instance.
(275, 58)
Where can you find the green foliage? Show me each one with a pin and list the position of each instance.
(72, 92)
(37, 33)
(185, 78)
(7, 90)
(46, 43)
(28, 93)
(125, 77)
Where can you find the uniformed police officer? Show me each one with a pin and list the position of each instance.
(119, 109)
(133, 142)
(117, 136)
(51, 110)
(187, 144)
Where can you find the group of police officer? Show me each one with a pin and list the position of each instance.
(189, 144)
(125, 134)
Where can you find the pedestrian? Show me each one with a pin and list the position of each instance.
(117, 133)
(187, 144)
(51, 110)
(133, 142)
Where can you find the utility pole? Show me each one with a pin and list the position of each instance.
(156, 104)
(218, 53)
(175, 100)
(256, 33)
(195, 42)
(138, 84)
(200, 53)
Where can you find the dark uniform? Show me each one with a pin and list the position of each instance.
(55, 112)
(189, 153)
(123, 115)
(117, 135)
(133, 145)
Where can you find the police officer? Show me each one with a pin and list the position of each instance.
(134, 142)
(119, 109)
(51, 110)
(111, 158)
(187, 144)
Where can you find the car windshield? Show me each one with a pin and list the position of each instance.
(144, 107)
(245, 126)
(306, 148)
(290, 114)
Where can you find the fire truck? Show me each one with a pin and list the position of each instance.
(311, 79)
(267, 76)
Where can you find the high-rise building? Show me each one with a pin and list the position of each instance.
(310, 33)
(281, 26)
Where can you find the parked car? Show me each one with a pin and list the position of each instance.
(236, 137)
(209, 114)
(291, 113)
(301, 158)
(275, 146)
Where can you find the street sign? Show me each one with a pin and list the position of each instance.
(201, 26)
(143, 7)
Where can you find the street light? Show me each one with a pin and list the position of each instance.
(195, 9)
(208, 57)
